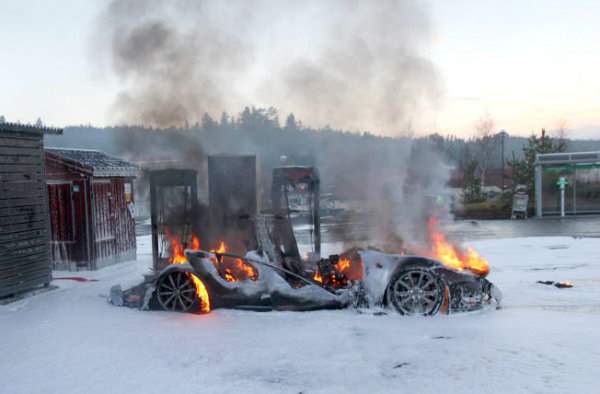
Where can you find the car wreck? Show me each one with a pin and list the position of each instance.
(274, 275)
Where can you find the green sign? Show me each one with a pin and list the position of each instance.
(562, 182)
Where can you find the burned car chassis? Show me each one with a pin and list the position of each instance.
(407, 284)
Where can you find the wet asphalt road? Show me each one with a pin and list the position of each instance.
(583, 226)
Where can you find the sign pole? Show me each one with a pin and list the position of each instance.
(561, 183)
(562, 201)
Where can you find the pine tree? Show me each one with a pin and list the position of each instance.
(290, 123)
(224, 120)
(472, 183)
(524, 169)
(208, 123)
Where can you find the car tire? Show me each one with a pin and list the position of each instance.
(175, 291)
(416, 291)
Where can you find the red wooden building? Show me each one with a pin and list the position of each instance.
(90, 196)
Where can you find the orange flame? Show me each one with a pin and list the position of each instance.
(344, 270)
(178, 257)
(201, 292)
(233, 270)
(222, 248)
(317, 277)
(195, 243)
(177, 252)
(342, 265)
(452, 256)
(353, 270)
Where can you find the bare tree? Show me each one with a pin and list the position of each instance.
(486, 144)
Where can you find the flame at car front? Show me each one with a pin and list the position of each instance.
(453, 256)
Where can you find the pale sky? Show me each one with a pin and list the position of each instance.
(527, 64)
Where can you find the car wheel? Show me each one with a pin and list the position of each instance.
(175, 291)
(416, 291)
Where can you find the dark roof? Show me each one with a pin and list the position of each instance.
(93, 162)
(24, 128)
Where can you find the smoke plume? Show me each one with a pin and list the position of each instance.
(350, 63)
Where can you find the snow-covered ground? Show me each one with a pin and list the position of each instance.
(544, 340)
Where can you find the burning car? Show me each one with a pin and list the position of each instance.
(363, 278)
(276, 277)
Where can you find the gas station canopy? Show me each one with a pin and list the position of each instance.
(576, 175)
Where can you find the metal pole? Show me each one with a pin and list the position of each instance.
(574, 190)
(562, 181)
(503, 134)
(317, 217)
(562, 201)
(538, 190)
(154, 218)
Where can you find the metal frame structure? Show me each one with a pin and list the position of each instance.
(185, 223)
(569, 161)
(284, 239)
(232, 198)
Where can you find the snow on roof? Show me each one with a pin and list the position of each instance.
(98, 163)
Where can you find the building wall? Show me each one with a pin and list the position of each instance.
(68, 197)
(91, 224)
(113, 225)
(24, 235)
(68, 223)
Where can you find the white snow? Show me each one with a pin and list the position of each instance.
(545, 340)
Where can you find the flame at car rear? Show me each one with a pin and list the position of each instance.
(177, 252)
(201, 292)
(230, 269)
(453, 256)
(178, 257)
